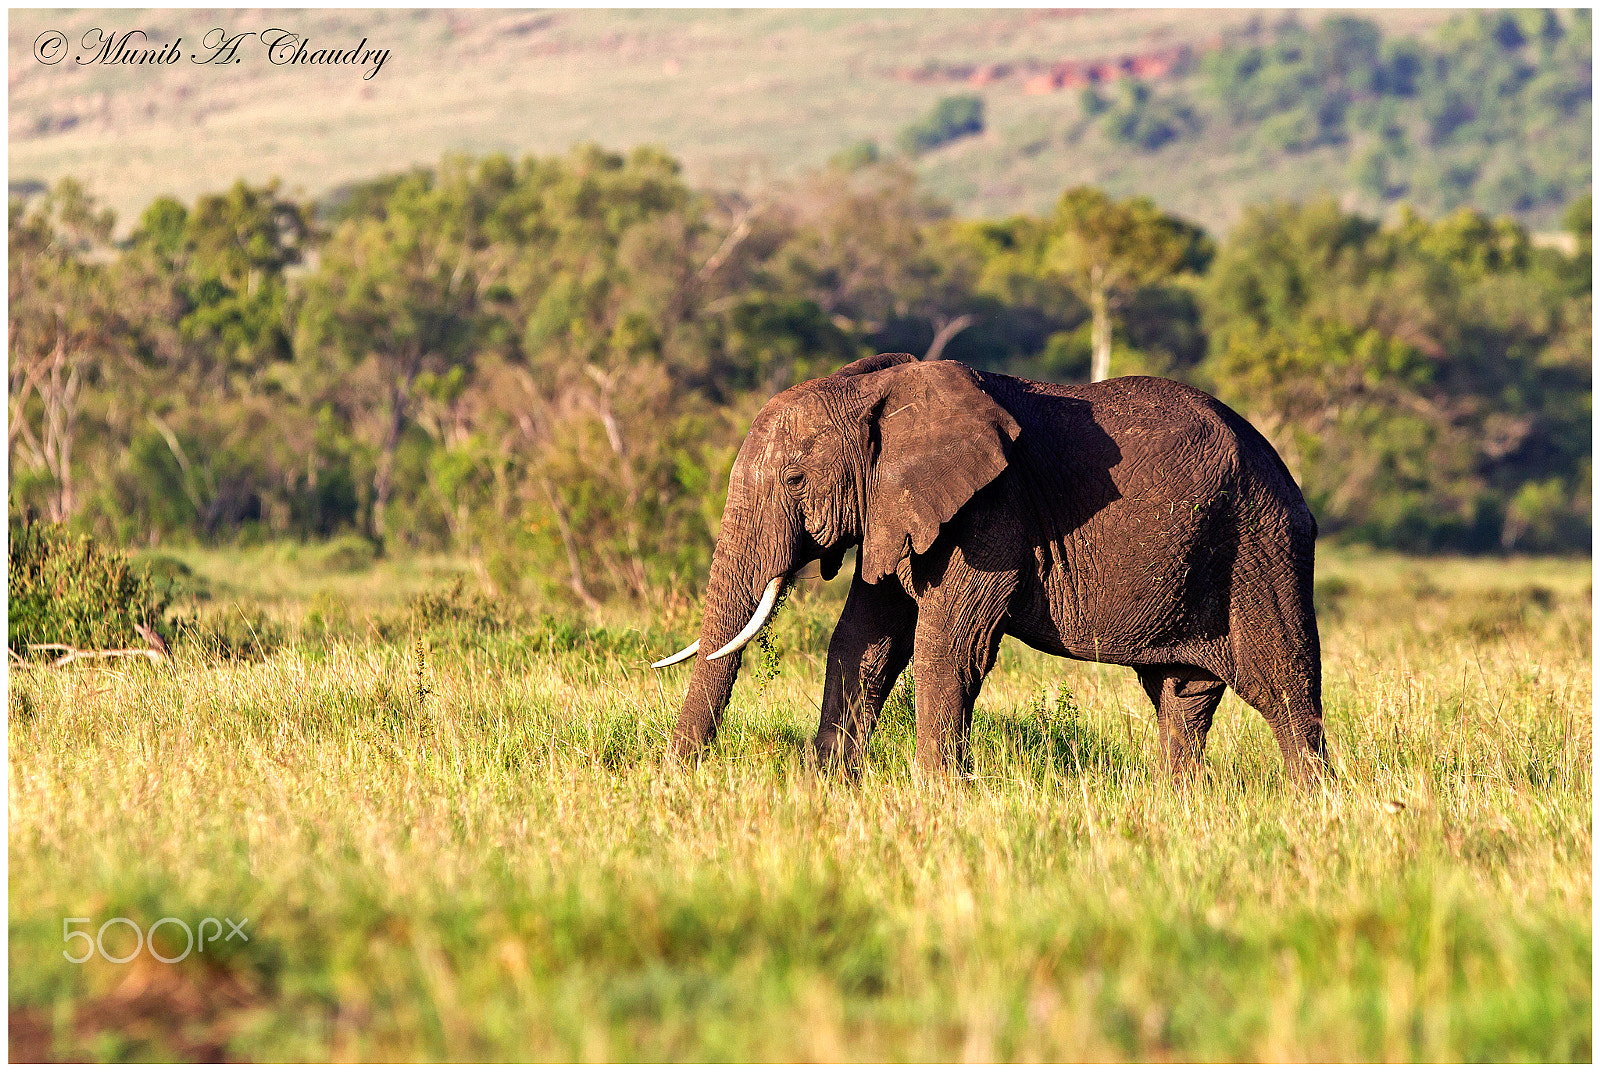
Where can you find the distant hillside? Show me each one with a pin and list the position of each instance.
(1205, 111)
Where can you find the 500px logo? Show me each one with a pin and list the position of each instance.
(283, 48)
(97, 942)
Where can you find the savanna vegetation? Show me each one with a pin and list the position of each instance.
(1486, 112)
(402, 487)
(1430, 107)
(547, 364)
(447, 822)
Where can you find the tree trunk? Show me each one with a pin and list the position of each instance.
(579, 589)
(946, 332)
(1100, 328)
(383, 479)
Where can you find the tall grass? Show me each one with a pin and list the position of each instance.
(462, 843)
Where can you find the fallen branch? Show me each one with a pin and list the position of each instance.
(111, 653)
(73, 654)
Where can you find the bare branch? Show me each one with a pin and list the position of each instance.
(949, 331)
(741, 231)
(571, 548)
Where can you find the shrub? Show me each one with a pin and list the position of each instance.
(453, 609)
(66, 589)
(952, 118)
(348, 554)
(855, 157)
(172, 577)
(231, 632)
(1146, 122)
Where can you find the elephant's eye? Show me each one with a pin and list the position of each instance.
(794, 478)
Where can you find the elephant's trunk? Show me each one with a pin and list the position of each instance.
(744, 566)
(729, 608)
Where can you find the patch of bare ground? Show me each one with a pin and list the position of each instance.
(156, 1012)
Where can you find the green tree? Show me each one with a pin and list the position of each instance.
(951, 119)
(1416, 378)
(240, 244)
(1106, 250)
(392, 298)
(64, 325)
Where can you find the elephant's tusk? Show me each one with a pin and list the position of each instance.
(686, 653)
(769, 599)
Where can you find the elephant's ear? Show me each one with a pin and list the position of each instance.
(937, 438)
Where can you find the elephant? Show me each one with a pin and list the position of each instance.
(1135, 521)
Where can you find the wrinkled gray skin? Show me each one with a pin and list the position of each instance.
(1135, 521)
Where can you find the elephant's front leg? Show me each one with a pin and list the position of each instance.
(871, 645)
(958, 636)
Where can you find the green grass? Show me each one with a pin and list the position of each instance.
(473, 850)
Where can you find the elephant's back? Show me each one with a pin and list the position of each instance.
(1145, 490)
(1150, 433)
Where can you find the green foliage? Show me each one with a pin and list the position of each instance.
(67, 589)
(1143, 120)
(173, 578)
(226, 261)
(1109, 251)
(347, 554)
(228, 633)
(950, 120)
(1492, 114)
(66, 326)
(546, 365)
(453, 608)
(1122, 245)
(853, 158)
(1443, 355)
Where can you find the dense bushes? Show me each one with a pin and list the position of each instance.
(1429, 382)
(68, 589)
(1493, 113)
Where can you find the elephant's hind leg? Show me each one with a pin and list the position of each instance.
(1293, 709)
(1279, 673)
(870, 647)
(1186, 698)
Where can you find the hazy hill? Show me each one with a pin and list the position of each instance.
(744, 96)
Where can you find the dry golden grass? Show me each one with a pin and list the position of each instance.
(472, 850)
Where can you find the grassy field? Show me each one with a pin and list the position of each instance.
(455, 840)
(742, 97)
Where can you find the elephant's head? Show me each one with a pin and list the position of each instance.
(880, 454)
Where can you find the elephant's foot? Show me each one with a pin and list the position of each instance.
(1309, 769)
(1184, 770)
(833, 752)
